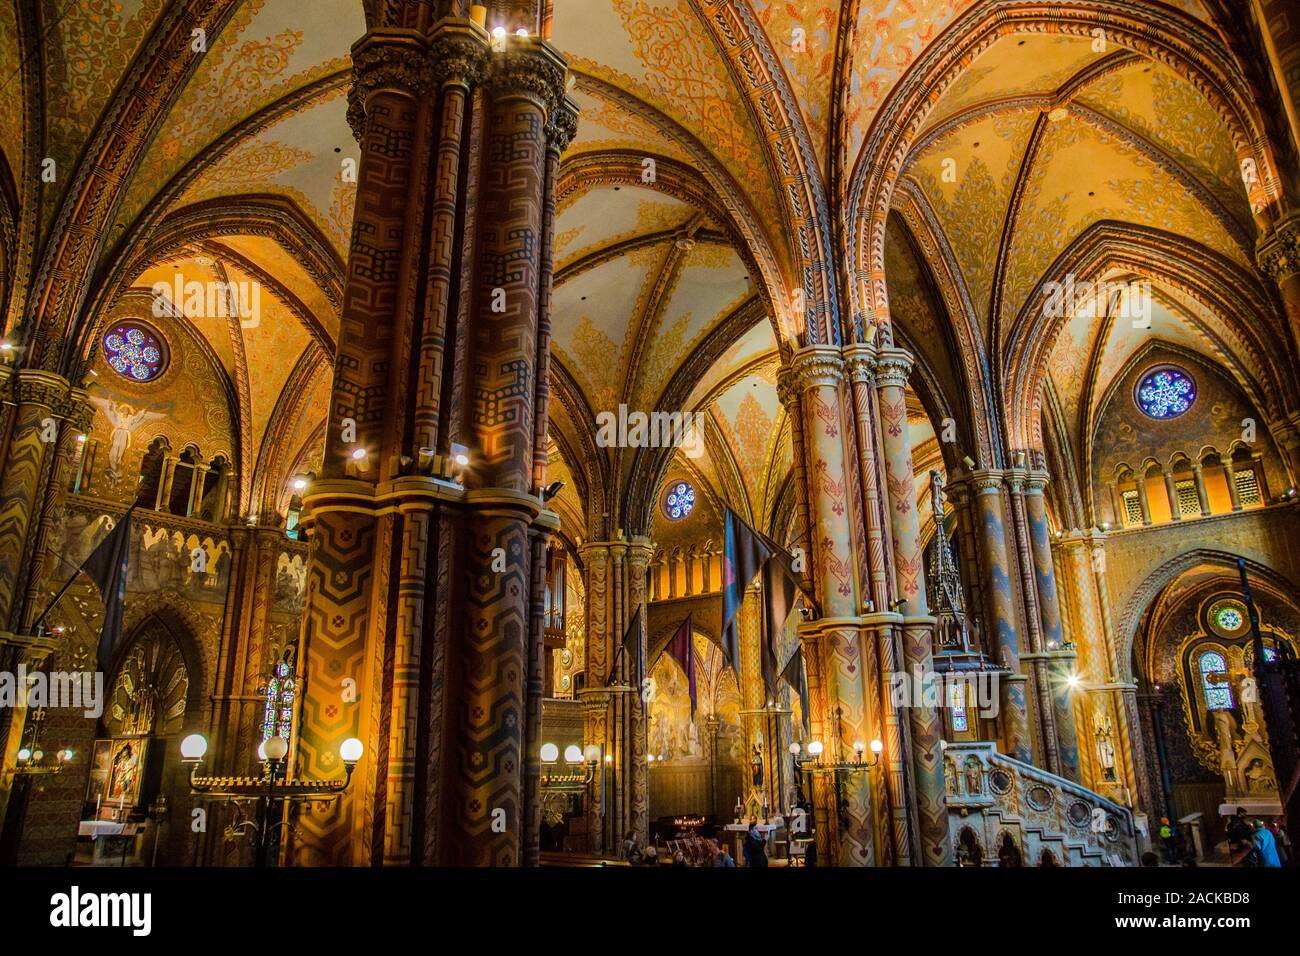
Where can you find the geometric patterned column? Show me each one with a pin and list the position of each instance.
(419, 629)
(926, 730)
(1049, 615)
(1002, 643)
(835, 644)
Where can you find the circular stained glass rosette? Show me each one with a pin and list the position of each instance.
(1166, 393)
(679, 501)
(134, 352)
(1228, 617)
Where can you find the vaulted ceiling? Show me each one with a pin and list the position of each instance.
(716, 147)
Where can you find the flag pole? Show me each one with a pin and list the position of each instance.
(73, 580)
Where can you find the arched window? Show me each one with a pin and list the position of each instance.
(957, 701)
(277, 719)
(151, 470)
(1218, 693)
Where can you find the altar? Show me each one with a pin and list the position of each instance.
(738, 831)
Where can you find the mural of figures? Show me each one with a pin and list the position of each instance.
(290, 583)
(700, 762)
(124, 421)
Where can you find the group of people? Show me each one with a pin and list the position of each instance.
(1257, 843)
(754, 849)
(1250, 843)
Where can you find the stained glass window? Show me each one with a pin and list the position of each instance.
(1218, 693)
(134, 352)
(1270, 653)
(1228, 617)
(1166, 393)
(277, 720)
(680, 500)
(957, 701)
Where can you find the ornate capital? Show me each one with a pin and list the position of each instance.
(815, 367)
(458, 53)
(392, 60)
(1278, 253)
(37, 387)
(531, 67)
(860, 361)
(787, 388)
(562, 124)
(893, 366)
(1035, 482)
(986, 481)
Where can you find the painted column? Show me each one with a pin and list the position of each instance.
(890, 788)
(596, 700)
(1002, 642)
(1202, 498)
(638, 559)
(1045, 725)
(847, 828)
(47, 414)
(924, 726)
(1053, 631)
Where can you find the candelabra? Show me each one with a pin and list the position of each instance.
(578, 772)
(839, 769)
(268, 788)
(31, 758)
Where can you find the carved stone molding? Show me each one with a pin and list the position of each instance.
(1278, 253)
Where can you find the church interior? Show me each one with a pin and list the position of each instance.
(648, 432)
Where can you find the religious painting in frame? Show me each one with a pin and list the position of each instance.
(101, 765)
(126, 771)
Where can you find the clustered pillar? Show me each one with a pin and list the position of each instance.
(420, 624)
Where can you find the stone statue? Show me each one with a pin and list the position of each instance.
(1223, 732)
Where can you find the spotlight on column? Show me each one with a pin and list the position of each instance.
(358, 454)
(551, 490)
(869, 606)
(898, 605)
(460, 455)
(1073, 682)
(969, 462)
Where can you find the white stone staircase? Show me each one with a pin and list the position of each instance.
(992, 795)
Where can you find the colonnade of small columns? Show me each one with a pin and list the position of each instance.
(684, 572)
(1215, 478)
